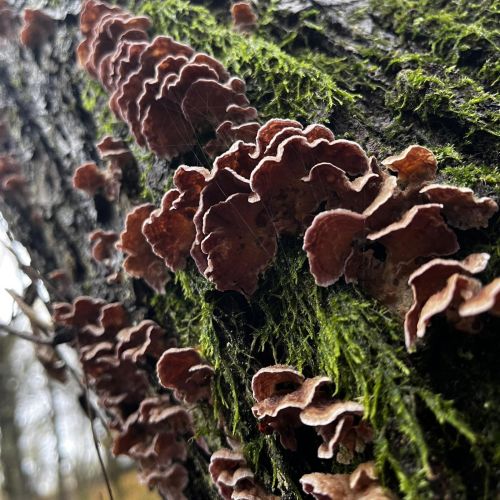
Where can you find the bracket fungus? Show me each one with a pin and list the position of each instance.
(170, 230)
(341, 427)
(430, 279)
(486, 300)
(103, 244)
(414, 164)
(37, 29)
(244, 17)
(184, 371)
(362, 483)
(234, 480)
(285, 400)
(164, 90)
(145, 341)
(140, 261)
(281, 394)
(461, 208)
(12, 180)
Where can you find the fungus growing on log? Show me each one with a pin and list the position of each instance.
(145, 341)
(430, 279)
(234, 480)
(362, 483)
(170, 230)
(244, 17)
(37, 29)
(240, 243)
(421, 232)
(163, 89)
(140, 261)
(11, 178)
(328, 242)
(280, 411)
(89, 178)
(103, 244)
(415, 164)
(184, 371)
(341, 428)
(487, 300)
(461, 208)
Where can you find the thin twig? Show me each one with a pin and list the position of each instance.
(96, 442)
(25, 335)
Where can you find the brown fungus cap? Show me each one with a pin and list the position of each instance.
(279, 179)
(244, 17)
(147, 340)
(328, 242)
(170, 482)
(414, 164)
(240, 243)
(103, 244)
(170, 230)
(141, 262)
(280, 413)
(487, 300)
(361, 484)
(458, 289)
(219, 186)
(340, 426)
(37, 29)
(430, 279)
(275, 380)
(182, 370)
(82, 312)
(89, 178)
(421, 232)
(461, 208)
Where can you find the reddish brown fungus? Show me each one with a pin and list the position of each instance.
(170, 230)
(431, 278)
(414, 164)
(486, 300)
(328, 243)
(182, 370)
(103, 244)
(141, 262)
(244, 17)
(37, 29)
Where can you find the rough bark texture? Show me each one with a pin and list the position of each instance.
(387, 74)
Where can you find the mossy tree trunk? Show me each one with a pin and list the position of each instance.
(386, 73)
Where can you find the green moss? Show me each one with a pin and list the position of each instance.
(460, 33)
(460, 101)
(278, 83)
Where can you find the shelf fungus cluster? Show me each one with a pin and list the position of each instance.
(362, 483)
(233, 478)
(164, 90)
(359, 220)
(118, 360)
(285, 401)
(92, 180)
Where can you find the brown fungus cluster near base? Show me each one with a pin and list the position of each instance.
(361, 484)
(285, 401)
(119, 360)
(164, 90)
(233, 478)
